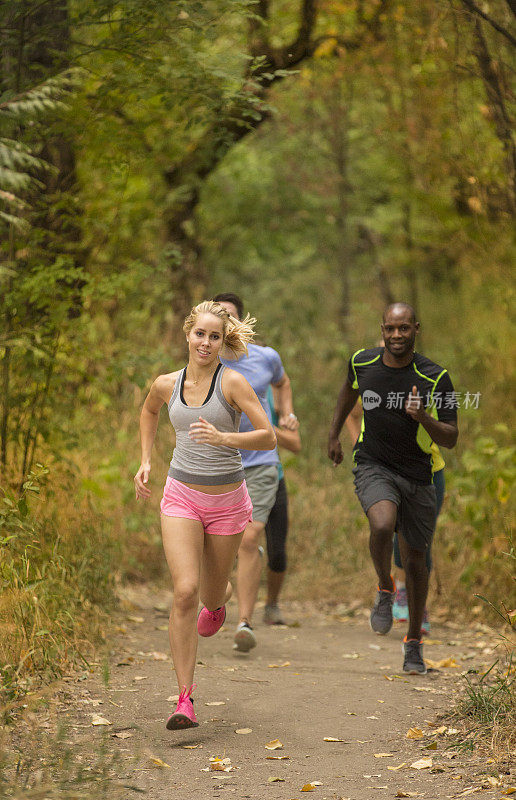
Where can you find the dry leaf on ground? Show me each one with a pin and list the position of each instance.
(140, 678)
(276, 758)
(400, 766)
(274, 745)
(401, 793)
(220, 764)
(414, 733)
(423, 763)
(98, 720)
(159, 656)
(383, 755)
(309, 787)
(333, 739)
(275, 780)
(244, 730)
(444, 662)
(276, 666)
(122, 735)
(216, 703)
(159, 763)
(136, 619)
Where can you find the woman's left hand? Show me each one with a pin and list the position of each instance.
(204, 432)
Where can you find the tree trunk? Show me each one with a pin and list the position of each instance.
(496, 99)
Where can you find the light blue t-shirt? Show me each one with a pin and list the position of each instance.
(261, 367)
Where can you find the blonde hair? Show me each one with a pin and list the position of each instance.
(236, 333)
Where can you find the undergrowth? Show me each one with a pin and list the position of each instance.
(56, 573)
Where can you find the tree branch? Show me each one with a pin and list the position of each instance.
(474, 9)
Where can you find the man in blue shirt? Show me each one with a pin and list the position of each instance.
(262, 367)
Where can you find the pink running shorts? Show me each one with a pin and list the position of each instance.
(222, 514)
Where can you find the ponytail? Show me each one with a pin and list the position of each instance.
(238, 333)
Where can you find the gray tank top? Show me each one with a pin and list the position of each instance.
(206, 464)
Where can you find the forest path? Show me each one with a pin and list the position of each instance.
(333, 678)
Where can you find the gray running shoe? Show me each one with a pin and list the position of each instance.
(413, 662)
(381, 613)
(245, 639)
(272, 615)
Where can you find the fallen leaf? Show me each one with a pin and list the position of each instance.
(244, 730)
(309, 787)
(140, 678)
(220, 764)
(373, 717)
(350, 655)
(383, 755)
(351, 714)
(159, 763)
(431, 746)
(388, 678)
(274, 745)
(122, 735)
(277, 666)
(216, 703)
(161, 627)
(451, 731)
(275, 780)
(423, 763)
(276, 758)
(510, 790)
(400, 766)
(98, 720)
(159, 656)
(401, 793)
(414, 733)
(445, 662)
(333, 739)
(136, 619)
(191, 746)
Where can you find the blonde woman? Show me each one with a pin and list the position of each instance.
(205, 506)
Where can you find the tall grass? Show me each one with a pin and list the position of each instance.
(57, 581)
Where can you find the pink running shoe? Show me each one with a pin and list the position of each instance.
(184, 715)
(209, 622)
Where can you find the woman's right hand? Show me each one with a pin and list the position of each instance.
(140, 480)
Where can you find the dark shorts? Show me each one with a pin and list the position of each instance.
(415, 503)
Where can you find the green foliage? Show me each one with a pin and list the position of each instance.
(19, 167)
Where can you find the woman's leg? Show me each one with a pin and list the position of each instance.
(183, 542)
(218, 558)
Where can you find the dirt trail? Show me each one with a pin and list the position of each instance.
(333, 678)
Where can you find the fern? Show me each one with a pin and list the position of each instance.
(18, 164)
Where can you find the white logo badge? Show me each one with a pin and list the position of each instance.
(370, 400)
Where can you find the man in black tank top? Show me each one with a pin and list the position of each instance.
(408, 402)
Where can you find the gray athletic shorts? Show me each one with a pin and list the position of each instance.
(416, 503)
(262, 485)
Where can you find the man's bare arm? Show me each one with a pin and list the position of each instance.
(345, 402)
